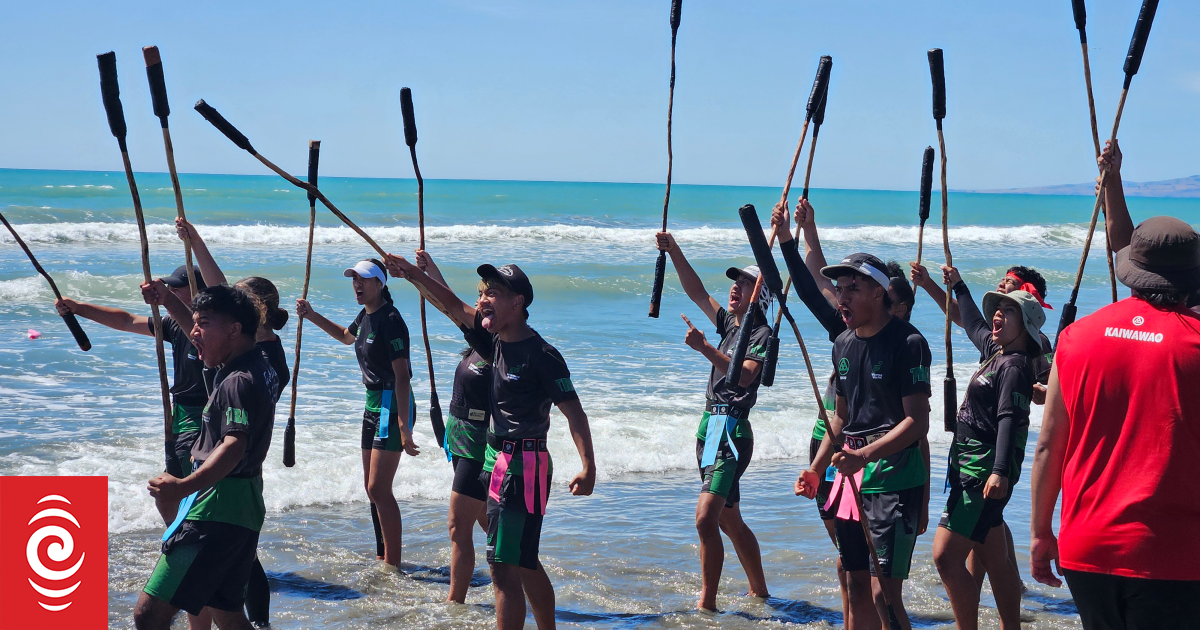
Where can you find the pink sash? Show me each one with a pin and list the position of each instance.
(843, 495)
(535, 473)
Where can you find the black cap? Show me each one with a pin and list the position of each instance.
(510, 276)
(1163, 255)
(860, 264)
(178, 279)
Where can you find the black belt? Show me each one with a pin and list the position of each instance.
(498, 442)
(726, 409)
(463, 412)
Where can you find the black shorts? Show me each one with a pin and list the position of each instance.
(723, 477)
(179, 454)
(467, 478)
(825, 486)
(371, 438)
(514, 534)
(204, 563)
(967, 512)
(1114, 601)
(893, 518)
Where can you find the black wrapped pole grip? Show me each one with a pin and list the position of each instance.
(110, 91)
(314, 155)
(81, 337)
(820, 86)
(819, 117)
(734, 374)
(289, 443)
(1080, 11)
(222, 125)
(435, 418)
(410, 121)
(660, 271)
(768, 374)
(676, 8)
(1141, 32)
(937, 72)
(950, 402)
(1066, 319)
(926, 183)
(762, 251)
(158, 84)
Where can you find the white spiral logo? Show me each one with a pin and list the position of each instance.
(58, 551)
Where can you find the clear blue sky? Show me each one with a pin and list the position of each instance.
(571, 90)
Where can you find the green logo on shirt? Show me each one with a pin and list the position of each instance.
(397, 344)
(236, 416)
(758, 351)
(920, 374)
(564, 385)
(1020, 401)
(843, 366)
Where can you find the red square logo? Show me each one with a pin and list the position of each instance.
(53, 553)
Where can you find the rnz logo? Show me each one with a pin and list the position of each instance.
(53, 553)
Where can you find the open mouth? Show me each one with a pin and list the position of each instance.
(846, 314)
(488, 313)
(358, 295)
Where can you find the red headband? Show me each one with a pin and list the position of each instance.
(1029, 288)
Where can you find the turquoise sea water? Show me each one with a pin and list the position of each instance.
(589, 250)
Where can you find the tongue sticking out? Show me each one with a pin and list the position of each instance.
(487, 321)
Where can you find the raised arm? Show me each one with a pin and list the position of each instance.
(920, 277)
(209, 270)
(425, 263)
(110, 316)
(978, 330)
(814, 258)
(692, 285)
(438, 294)
(341, 333)
(581, 433)
(806, 286)
(157, 292)
(1116, 213)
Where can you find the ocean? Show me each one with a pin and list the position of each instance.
(623, 558)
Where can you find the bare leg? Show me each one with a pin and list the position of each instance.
(152, 613)
(366, 462)
(863, 615)
(841, 572)
(540, 593)
(1012, 555)
(712, 550)
(950, 555)
(895, 592)
(978, 573)
(379, 488)
(745, 544)
(464, 513)
(203, 621)
(510, 597)
(1006, 582)
(230, 619)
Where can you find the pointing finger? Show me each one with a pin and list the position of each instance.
(688, 321)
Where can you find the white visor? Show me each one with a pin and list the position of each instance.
(366, 269)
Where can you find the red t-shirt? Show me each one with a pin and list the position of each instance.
(1130, 376)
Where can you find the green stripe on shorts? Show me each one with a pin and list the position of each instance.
(170, 571)
(509, 534)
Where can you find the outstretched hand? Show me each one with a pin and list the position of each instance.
(303, 308)
(397, 266)
(695, 337)
(920, 275)
(65, 306)
(155, 292)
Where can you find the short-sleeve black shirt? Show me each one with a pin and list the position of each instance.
(380, 338)
(528, 376)
(243, 401)
(876, 373)
(720, 391)
(187, 386)
(273, 351)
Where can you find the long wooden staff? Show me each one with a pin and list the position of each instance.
(111, 93)
(1080, 12)
(81, 337)
(1133, 61)
(893, 619)
(660, 265)
(217, 120)
(162, 109)
(949, 386)
(289, 434)
(926, 190)
(410, 138)
(820, 85)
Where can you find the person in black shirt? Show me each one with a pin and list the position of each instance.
(188, 393)
(988, 450)
(381, 343)
(528, 377)
(208, 551)
(724, 440)
(882, 411)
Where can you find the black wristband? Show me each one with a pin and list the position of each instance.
(960, 288)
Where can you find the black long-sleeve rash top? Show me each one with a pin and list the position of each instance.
(993, 422)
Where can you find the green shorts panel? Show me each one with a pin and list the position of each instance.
(204, 563)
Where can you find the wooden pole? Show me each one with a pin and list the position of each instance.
(660, 265)
(289, 435)
(81, 337)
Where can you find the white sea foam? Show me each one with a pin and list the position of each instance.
(1032, 235)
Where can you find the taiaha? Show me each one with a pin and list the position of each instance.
(814, 111)
(111, 93)
(1080, 11)
(893, 620)
(158, 98)
(289, 434)
(926, 190)
(660, 266)
(217, 120)
(410, 138)
(81, 337)
(949, 385)
(1133, 61)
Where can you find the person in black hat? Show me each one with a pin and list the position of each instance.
(882, 412)
(528, 376)
(724, 439)
(1119, 441)
(188, 393)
